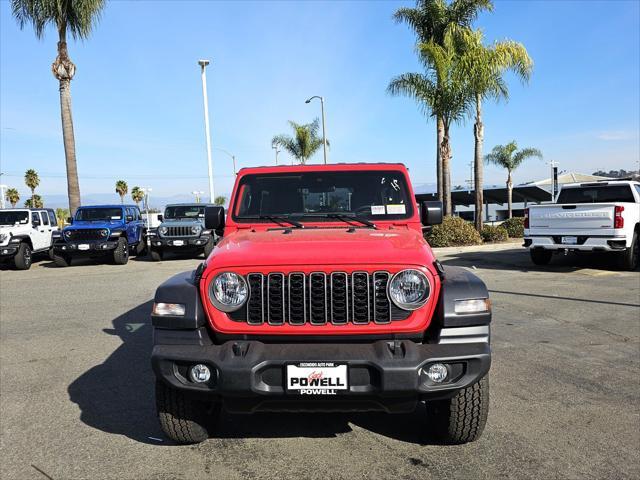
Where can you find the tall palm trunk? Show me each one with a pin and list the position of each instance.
(478, 167)
(445, 155)
(509, 193)
(64, 69)
(440, 135)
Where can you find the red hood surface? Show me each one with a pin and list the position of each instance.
(322, 246)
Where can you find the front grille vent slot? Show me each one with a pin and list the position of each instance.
(179, 232)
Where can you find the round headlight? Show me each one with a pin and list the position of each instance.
(67, 233)
(104, 232)
(409, 289)
(196, 229)
(163, 230)
(228, 291)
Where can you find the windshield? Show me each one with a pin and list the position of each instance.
(313, 196)
(184, 211)
(596, 194)
(11, 218)
(98, 213)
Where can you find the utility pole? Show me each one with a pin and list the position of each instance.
(146, 191)
(554, 179)
(275, 147)
(203, 64)
(197, 193)
(324, 132)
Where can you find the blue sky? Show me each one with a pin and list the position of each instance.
(137, 100)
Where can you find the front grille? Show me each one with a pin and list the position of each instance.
(319, 298)
(179, 232)
(86, 234)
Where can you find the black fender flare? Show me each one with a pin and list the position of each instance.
(460, 284)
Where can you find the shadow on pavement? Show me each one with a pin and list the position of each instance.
(118, 397)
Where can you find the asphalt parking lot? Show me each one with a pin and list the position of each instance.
(76, 396)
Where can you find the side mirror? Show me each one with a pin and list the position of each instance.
(69, 220)
(214, 218)
(431, 213)
(160, 218)
(129, 218)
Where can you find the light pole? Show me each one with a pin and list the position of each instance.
(203, 64)
(2, 189)
(554, 179)
(275, 147)
(233, 158)
(324, 132)
(197, 193)
(146, 191)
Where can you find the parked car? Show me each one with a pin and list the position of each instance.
(181, 231)
(110, 232)
(587, 217)
(25, 232)
(322, 295)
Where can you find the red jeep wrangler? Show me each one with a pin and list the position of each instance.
(322, 295)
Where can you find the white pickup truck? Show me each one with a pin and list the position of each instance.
(593, 217)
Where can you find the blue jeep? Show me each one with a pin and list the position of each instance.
(105, 231)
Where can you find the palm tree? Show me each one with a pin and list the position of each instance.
(137, 195)
(509, 157)
(443, 92)
(430, 20)
(220, 200)
(34, 202)
(78, 18)
(304, 143)
(61, 215)
(31, 180)
(484, 67)
(122, 189)
(12, 196)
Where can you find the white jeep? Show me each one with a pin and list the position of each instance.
(25, 232)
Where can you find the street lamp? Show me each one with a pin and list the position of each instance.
(197, 193)
(275, 147)
(324, 132)
(2, 189)
(203, 64)
(233, 158)
(146, 191)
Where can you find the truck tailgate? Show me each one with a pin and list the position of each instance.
(569, 218)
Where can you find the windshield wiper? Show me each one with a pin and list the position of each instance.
(344, 217)
(279, 219)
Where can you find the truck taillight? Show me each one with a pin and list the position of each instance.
(618, 219)
(526, 218)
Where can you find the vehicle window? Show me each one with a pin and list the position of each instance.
(369, 194)
(11, 218)
(178, 212)
(98, 213)
(638, 190)
(52, 218)
(35, 215)
(45, 218)
(596, 194)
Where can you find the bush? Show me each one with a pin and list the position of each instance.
(453, 232)
(494, 234)
(514, 227)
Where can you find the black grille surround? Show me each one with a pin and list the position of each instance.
(179, 232)
(319, 298)
(87, 234)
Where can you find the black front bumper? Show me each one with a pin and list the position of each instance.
(183, 243)
(86, 247)
(8, 251)
(383, 375)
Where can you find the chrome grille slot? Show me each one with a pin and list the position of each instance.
(318, 298)
(360, 297)
(275, 298)
(297, 299)
(255, 304)
(381, 304)
(339, 298)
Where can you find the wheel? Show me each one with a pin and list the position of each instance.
(156, 255)
(628, 260)
(121, 253)
(22, 260)
(461, 418)
(208, 248)
(540, 256)
(61, 260)
(183, 419)
(141, 247)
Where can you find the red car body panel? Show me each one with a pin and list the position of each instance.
(258, 247)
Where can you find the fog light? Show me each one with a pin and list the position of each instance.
(199, 373)
(437, 373)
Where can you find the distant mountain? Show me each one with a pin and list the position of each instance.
(159, 202)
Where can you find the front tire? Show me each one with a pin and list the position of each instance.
(61, 260)
(208, 248)
(628, 260)
(183, 419)
(461, 418)
(540, 256)
(156, 255)
(121, 253)
(23, 257)
(141, 247)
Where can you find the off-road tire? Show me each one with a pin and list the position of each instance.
(461, 418)
(23, 257)
(156, 255)
(61, 260)
(121, 252)
(141, 247)
(628, 260)
(540, 256)
(183, 419)
(208, 247)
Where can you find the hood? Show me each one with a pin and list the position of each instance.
(83, 224)
(182, 223)
(322, 246)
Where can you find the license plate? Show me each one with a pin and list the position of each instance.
(84, 246)
(569, 240)
(317, 378)
(178, 243)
